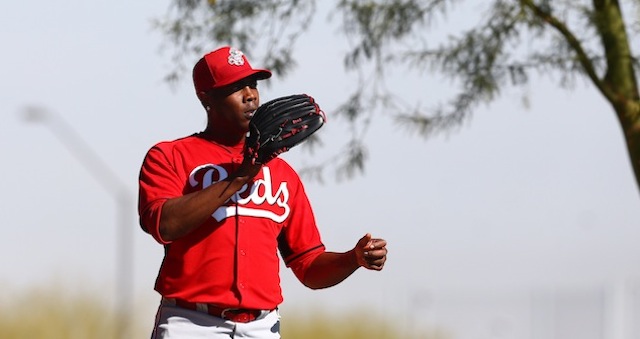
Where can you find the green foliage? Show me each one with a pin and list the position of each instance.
(192, 26)
(352, 325)
(378, 23)
(510, 42)
(53, 312)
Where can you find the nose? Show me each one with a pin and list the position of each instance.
(249, 93)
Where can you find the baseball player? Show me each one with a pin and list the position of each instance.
(222, 218)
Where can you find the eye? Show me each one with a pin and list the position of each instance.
(247, 83)
(235, 88)
(238, 86)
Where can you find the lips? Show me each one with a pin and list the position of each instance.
(249, 114)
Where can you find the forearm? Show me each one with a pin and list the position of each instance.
(330, 268)
(183, 214)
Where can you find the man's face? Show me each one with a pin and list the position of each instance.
(233, 106)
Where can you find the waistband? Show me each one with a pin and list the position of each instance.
(238, 315)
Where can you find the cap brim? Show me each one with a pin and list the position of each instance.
(260, 74)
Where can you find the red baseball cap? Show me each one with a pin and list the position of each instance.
(222, 67)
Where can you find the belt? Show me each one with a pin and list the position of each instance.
(238, 315)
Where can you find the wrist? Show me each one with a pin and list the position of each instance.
(353, 258)
(244, 174)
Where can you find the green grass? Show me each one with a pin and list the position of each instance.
(350, 325)
(54, 312)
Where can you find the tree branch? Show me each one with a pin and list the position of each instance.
(575, 44)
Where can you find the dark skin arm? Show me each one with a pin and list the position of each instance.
(181, 215)
(331, 268)
(227, 124)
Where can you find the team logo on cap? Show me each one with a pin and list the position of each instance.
(235, 57)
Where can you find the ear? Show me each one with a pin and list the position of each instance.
(205, 100)
(202, 96)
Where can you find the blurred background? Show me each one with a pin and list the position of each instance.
(521, 224)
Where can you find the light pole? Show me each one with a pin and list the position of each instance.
(110, 182)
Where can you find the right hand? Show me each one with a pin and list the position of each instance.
(251, 145)
(247, 170)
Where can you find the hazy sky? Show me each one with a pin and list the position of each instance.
(517, 198)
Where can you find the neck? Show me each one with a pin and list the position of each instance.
(222, 137)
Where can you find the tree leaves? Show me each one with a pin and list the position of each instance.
(511, 41)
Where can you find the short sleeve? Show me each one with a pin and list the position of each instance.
(158, 182)
(299, 241)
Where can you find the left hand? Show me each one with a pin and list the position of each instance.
(280, 124)
(371, 253)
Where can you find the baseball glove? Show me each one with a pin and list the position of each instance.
(280, 124)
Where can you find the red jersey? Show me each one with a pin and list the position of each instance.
(231, 260)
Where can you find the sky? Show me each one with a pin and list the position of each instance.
(518, 199)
